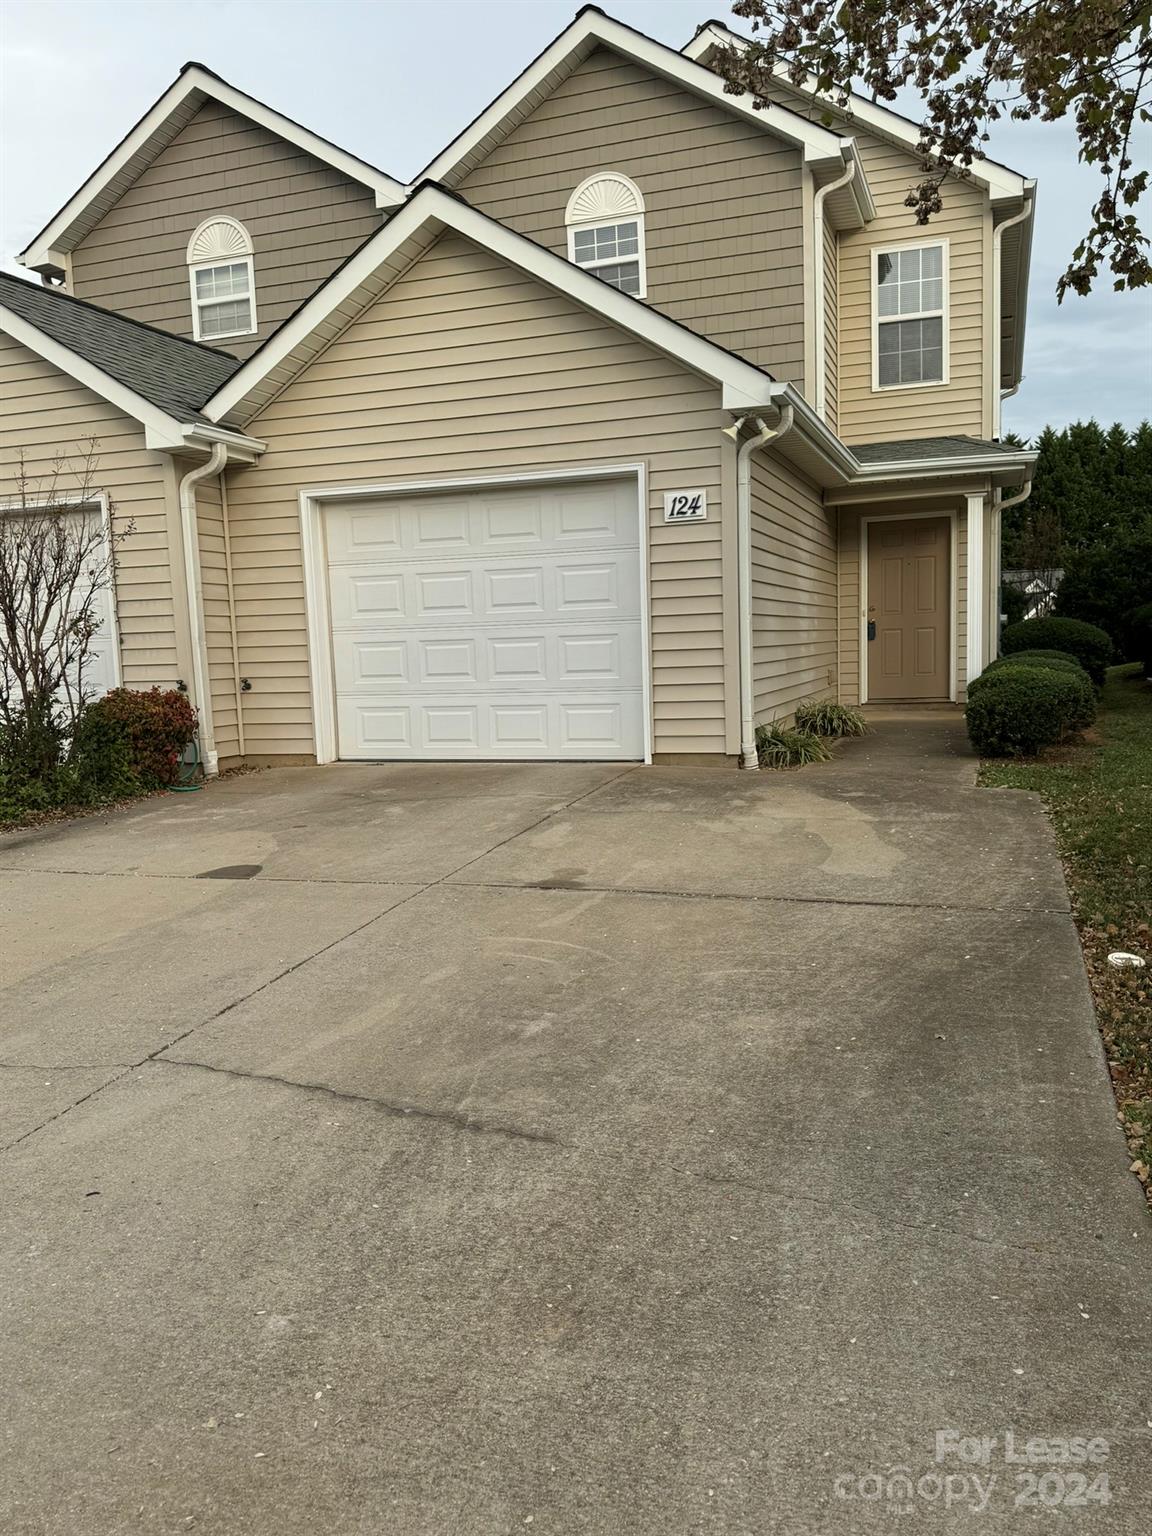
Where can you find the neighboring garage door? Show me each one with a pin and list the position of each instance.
(497, 623)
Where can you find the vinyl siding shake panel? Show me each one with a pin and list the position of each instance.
(468, 368)
(304, 219)
(723, 198)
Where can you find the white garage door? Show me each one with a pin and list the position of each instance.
(501, 623)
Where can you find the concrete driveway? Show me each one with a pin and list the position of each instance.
(432, 1149)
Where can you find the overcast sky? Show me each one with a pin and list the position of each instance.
(393, 82)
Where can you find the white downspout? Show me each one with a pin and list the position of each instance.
(201, 690)
(999, 395)
(819, 385)
(748, 754)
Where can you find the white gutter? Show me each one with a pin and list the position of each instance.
(997, 337)
(818, 285)
(749, 757)
(201, 691)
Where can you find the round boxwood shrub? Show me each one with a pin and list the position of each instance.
(1081, 701)
(1091, 647)
(1051, 655)
(1042, 659)
(1013, 711)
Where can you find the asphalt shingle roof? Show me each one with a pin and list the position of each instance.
(167, 371)
(909, 449)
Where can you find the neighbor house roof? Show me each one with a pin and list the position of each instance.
(826, 153)
(194, 86)
(160, 380)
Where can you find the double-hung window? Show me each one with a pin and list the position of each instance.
(605, 219)
(222, 281)
(910, 316)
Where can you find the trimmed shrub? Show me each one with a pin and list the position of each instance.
(1138, 632)
(1052, 655)
(155, 728)
(778, 748)
(1091, 647)
(1014, 711)
(824, 717)
(1033, 659)
(1081, 707)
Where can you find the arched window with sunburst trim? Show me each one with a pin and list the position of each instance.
(222, 281)
(605, 218)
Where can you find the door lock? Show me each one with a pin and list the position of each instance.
(871, 629)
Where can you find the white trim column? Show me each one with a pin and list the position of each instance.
(976, 583)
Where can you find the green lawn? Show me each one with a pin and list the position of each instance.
(1099, 796)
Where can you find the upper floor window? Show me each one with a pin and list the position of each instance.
(222, 280)
(605, 219)
(910, 316)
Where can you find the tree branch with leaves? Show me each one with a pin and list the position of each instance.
(976, 63)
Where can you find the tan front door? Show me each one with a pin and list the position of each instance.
(907, 609)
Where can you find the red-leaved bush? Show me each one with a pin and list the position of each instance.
(156, 727)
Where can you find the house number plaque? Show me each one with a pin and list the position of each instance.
(685, 506)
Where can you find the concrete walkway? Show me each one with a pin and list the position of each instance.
(478, 1149)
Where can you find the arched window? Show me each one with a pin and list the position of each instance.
(605, 218)
(221, 279)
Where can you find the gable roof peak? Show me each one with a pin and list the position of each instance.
(824, 151)
(169, 114)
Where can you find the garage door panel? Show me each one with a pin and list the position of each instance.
(532, 725)
(597, 515)
(501, 660)
(465, 592)
(493, 623)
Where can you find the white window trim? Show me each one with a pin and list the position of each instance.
(635, 217)
(928, 314)
(198, 303)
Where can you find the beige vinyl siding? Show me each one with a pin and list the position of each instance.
(963, 405)
(723, 199)
(304, 219)
(955, 408)
(831, 328)
(793, 590)
(44, 413)
(468, 368)
(851, 601)
(217, 615)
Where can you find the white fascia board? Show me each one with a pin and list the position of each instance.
(592, 28)
(431, 205)
(905, 469)
(53, 240)
(1001, 182)
(161, 430)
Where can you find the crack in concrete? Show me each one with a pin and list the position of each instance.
(387, 1106)
(306, 960)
